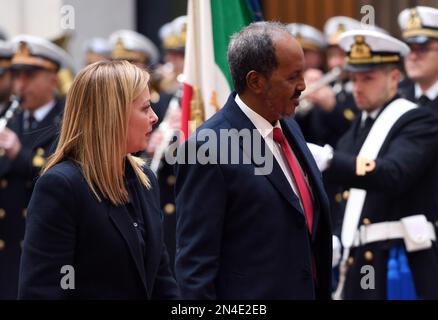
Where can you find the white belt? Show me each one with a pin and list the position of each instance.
(416, 231)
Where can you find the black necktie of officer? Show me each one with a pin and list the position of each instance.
(363, 131)
(366, 125)
(31, 122)
(423, 101)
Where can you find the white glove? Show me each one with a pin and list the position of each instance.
(322, 155)
(336, 251)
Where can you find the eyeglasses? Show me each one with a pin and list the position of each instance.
(422, 49)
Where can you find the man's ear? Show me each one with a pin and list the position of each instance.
(53, 78)
(256, 82)
(396, 75)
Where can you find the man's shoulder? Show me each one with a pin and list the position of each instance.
(418, 123)
(406, 89)
(216, 122)
(416, 114)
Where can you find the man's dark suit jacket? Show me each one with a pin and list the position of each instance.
(244, 236)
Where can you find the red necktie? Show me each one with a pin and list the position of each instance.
(303, 188)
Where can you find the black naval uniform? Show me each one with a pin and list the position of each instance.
(166, 179)
(392, 190)
(425, 197)
(407, 91)
(321, 127)
(17, 179)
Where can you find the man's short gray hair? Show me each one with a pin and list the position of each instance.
(252, 48)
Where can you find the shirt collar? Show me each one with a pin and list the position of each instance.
(373, 114)
(261, 124)
(41, 112)
(431, 93)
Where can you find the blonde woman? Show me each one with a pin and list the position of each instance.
(94, 221)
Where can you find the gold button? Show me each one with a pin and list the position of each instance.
(2, 244)
(171, 180)
(39, 160)
(2, 213)
(349, 114)
(24, 213)
(3, 183)
(368, 255)
(345, 195)
(366, 221)
(350, 261)
(338, 197)
(169, 208)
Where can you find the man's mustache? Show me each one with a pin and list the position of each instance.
(297, 94)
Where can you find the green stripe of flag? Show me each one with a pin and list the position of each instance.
(228, 17)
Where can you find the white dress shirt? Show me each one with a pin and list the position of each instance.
(431, 93)
(373, 115)
(38, 114)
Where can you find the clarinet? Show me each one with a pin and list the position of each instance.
(15, 103)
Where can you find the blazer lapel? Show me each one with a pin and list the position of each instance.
(277, 178)
(119, 216)
(153, 236)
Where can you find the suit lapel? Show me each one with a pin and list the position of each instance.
(119, 216)
(308, 165)
(277, 178)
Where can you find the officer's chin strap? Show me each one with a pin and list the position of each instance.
(337, 295)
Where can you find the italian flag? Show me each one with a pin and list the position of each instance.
(207, 80)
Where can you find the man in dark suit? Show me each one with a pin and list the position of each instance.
(247, 230)
(381, 162)
(419, 27)
(25, 144)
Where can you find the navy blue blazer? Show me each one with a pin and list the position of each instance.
(17, 179)
(244, 236)
(66, 225)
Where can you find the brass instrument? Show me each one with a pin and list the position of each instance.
(15, 103)
(332, 75)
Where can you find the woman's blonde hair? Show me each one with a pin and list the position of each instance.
(94, 127)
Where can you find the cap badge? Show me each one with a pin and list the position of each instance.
(414, 21)
(360, 50)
